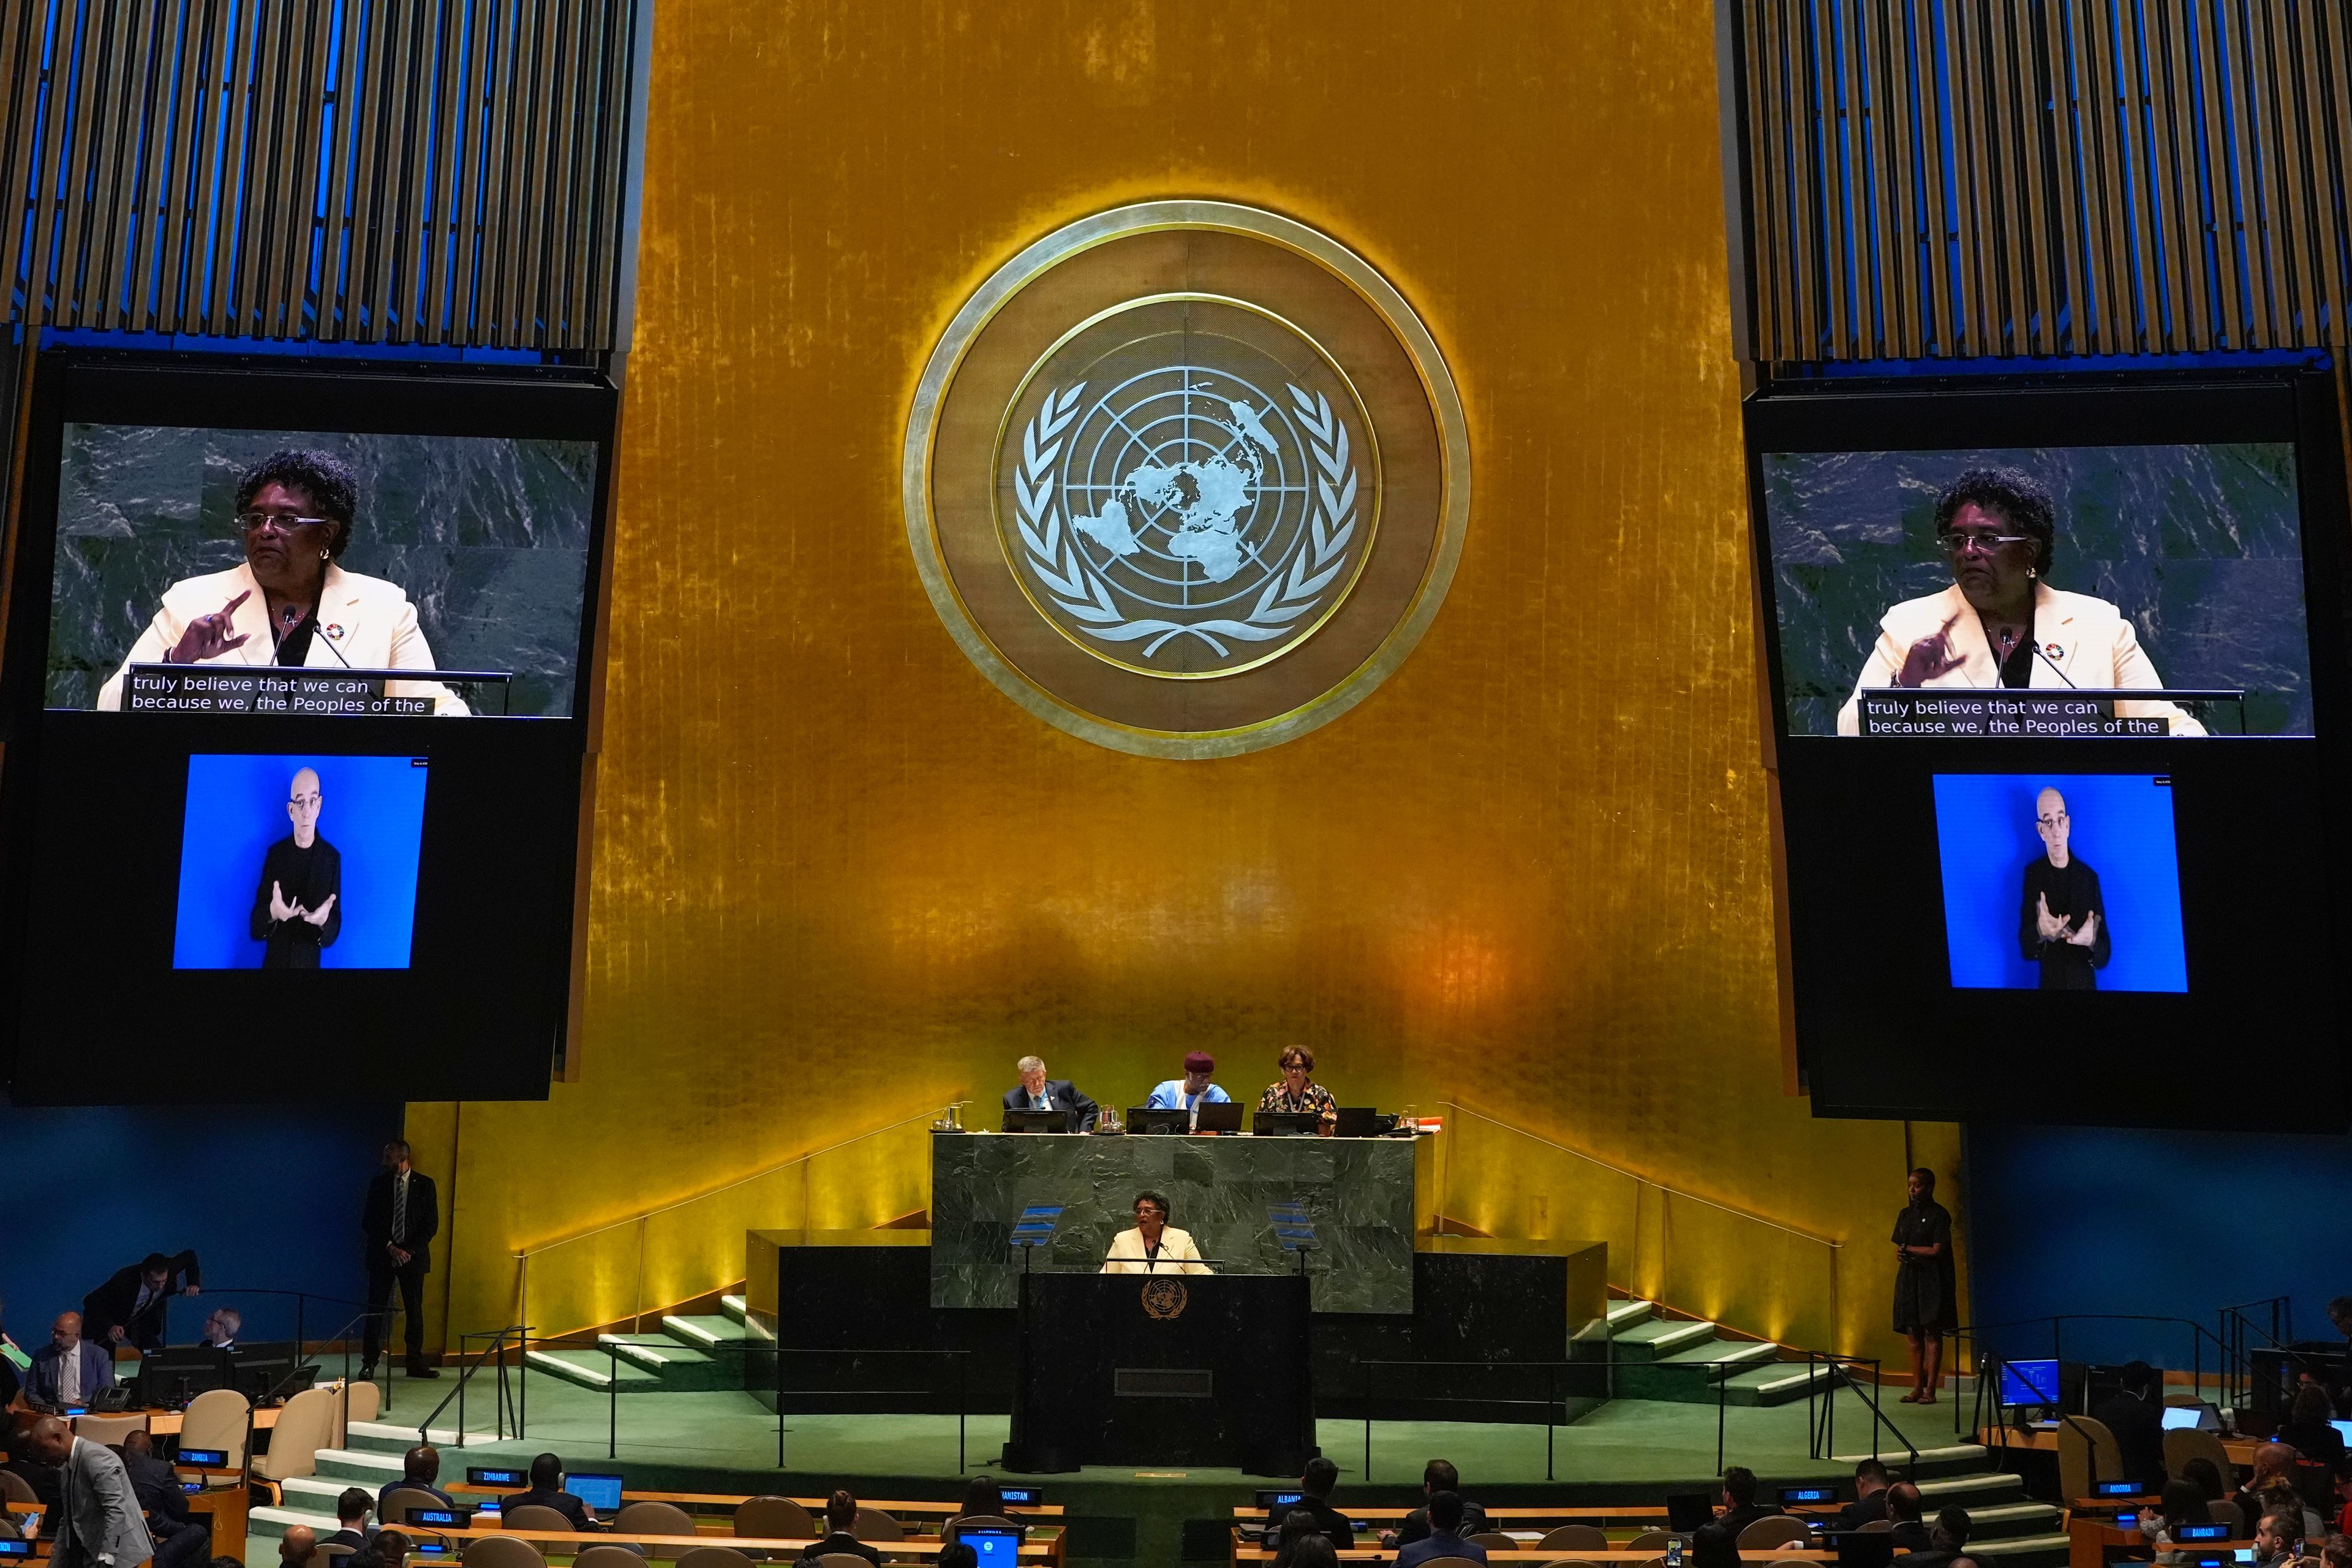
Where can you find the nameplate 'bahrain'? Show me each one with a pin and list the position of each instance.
(1186, 478)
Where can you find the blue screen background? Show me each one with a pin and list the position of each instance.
(371, 810)
(2122, 828)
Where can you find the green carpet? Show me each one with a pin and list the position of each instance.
(1631, 1450)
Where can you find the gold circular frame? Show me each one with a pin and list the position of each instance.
(1338, 372)
(1413, 338)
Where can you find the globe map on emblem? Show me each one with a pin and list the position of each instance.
(1187, 503)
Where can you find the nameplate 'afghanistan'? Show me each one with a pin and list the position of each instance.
(1186, 478)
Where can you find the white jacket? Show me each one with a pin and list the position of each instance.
(1177, 1253)
(2088, 641)
(367, 621)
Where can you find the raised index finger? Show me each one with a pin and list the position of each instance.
(247, 593)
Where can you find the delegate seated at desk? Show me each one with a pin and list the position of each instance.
(1153, 1245)
(1193, 1090)
(1038, 1092)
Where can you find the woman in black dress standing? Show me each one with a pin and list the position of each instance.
(1925, 1307)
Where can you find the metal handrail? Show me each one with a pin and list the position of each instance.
(962, 1363)
(1646, 1181)
(497, 1348)
(802, 1159)
(1822, 1435)
(1551, 1401)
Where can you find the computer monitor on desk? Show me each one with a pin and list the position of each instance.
(1224, 1116)
(601, 1492)
(172, 1376)
(1153, 1119)
(1036, 1122)
(270, 1371)
(1286, 1123)
(996, 1548)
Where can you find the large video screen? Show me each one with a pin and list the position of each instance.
(296, 686)
(2051, 673)
(229, 554)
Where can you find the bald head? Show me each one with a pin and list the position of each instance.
(302, 803)
(65, 1332)
(297, 1546)
(2271, 1459)
(2050, 820)
(50, 1439)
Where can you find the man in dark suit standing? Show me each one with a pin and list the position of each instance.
(129, 1308)
(1038, 1092)
(181, 1542)
(402, 1217)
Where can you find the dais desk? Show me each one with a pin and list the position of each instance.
(1358, 1194)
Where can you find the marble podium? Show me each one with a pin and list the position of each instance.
(1356, 1193)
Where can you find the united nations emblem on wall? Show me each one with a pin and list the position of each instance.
(1165, 1298)
(1186, 478)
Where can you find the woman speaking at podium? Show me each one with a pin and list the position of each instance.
(289, 603)
(1153, 1246)
(2000, 622)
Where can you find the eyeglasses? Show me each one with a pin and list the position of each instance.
(255, 521)
(1957, 543)
(2057, 821)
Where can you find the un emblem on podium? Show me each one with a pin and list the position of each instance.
(1186, 478)
(1165, 1299)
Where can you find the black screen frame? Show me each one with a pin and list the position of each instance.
(441, 1028)
(1841, 801)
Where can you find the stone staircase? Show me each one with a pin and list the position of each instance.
(1660, 1355)
(2007, 1530)
(371, 1459)
(692, 1354)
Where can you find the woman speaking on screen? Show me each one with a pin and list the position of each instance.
(289, 603)
(2000, 622)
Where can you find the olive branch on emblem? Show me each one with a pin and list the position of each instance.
(1083, 594)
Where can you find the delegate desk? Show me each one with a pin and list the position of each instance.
(670, 1548)
(1163, 1369)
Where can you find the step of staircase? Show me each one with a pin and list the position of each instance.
(2023, 1550)
(313, 1497)
(734, 1307)
(2006, 1521)
(391, 1437)
(1959, 1458)
(706, 1332)
(593, 1369)
(681, 1368)
(1779, 1383)
(1985, 1490)
(1623, 1315)
(1654, 1339)
(358, 1468)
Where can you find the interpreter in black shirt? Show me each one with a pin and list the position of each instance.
(2062, 918)
(297, 905)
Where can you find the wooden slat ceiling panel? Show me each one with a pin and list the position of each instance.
(2033, 177)
(417, 170)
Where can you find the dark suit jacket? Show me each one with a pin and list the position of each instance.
(2139, 1427)
(41, 1380)
(1416, 1524)
(1061, 1094)
(1910, 1535)
(1734, 1520)
(157, 1488)
(563, 1503)
(1864, 1511)
(424, 1218)
(354, 1539)
(109, 1305)
(848, 1544)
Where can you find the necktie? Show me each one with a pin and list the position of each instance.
(400, 1206)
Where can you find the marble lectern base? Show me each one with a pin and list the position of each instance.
(1357, 1191)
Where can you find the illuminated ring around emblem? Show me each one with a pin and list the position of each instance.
(1444, 407)
(1366, 519)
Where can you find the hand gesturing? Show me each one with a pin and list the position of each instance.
(207, 635)
(279, 909)
(2090, 931)
(318, 917)
(1930, 656)
(2050, 926)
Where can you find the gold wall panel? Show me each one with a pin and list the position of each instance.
(839, 877)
